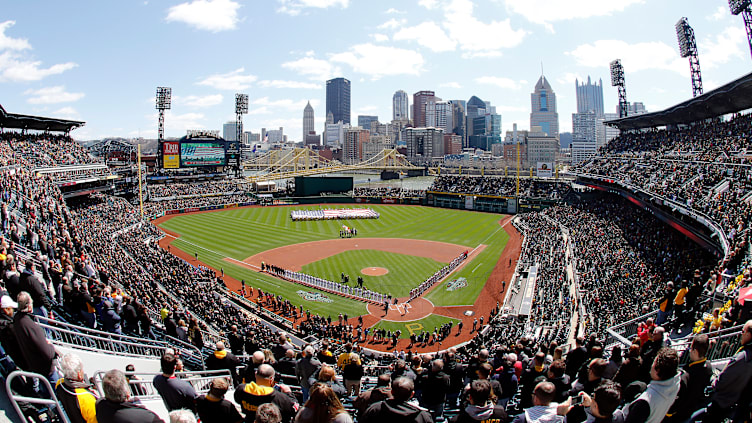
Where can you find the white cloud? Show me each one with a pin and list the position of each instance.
(201, 101)
(378, 61)
(428, 35)
(500, 82)
(17, 67)
(179, 123)
(52, 95)
(263, 110)
(547, 11)
(450, 85)
(208, 15)
(511, 109)
(284, 103)
(8, 43)
(315, 69)
(393, 11)
(476, 38)
(428, 4)
(634, 57)
(392, 24)
(380, 38)
(234, 80)
(295, 7)
(367, 110)
(276, 83)
(568, 78)
(718, 50)
(67, 113)
(720, 13)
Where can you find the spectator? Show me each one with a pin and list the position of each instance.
(176, 393)
(77, 397)
(654, 403)
(576, 357)
(38, 353)
(614, 362)
(603, 406)
(382, 391)
(732, 387)
(327, 376)
(436, 385)
(508, 379)
(115, 408)
(8, 340)
(694, 380)
(236, 340)
(286, 364)
(530, 374)
(482, 407)
(282, 346)
(344, 358)
(306, 366)
(323, 407)
(352, 373)
(629, 371)
(214, 408)
(268, 413)
(182, 416)
(560, 379)
(251, 395)
(543, 409)
(594, 377)
(222, 359)
(257, 359)
(397, 409)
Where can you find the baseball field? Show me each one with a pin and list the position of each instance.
(393, 254)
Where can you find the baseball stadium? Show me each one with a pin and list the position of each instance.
(414, 271)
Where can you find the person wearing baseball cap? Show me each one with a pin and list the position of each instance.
(8, 343)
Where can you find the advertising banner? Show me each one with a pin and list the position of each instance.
(171, 154)
(544, 170)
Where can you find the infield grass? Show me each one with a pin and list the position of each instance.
(427, 323)
(241, 233)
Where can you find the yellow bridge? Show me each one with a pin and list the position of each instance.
(284, 164)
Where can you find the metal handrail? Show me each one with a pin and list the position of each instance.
(15, 399)
(623, 331)
(83, 338)
(142, 383)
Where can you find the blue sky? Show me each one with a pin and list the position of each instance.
(101, 61)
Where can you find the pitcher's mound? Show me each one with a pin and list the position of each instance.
(374, 271)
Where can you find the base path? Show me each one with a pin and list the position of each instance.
(295, 256)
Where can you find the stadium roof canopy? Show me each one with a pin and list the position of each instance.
(37, 123)
(730, 98)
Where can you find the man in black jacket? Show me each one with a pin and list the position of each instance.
(222, 359)
(31, 284)
(39, 353)
(115, 408)
(8, 339)
(251, 395)
(435, 387)
(397, 410)
(694, 380)
(576, 357)
(481, 408)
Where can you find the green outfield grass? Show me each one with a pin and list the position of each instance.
(401, 268)
(241, 233)
(424, 324)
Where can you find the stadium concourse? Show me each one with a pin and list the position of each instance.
(88, 291)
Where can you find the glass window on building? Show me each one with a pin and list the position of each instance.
(543, 101)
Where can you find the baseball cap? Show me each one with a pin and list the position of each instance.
(7, 302)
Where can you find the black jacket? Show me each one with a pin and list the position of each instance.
(435, 387)
(691, 395)
(395, 412)
(31, 339)
(126, 412)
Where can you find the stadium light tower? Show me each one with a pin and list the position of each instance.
(617, 80)
(743, 7)
(241, 108)
(688, 48)
(164, 102)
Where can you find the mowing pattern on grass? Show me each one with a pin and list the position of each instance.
(241, 233)
(404, 272)
(417, 326)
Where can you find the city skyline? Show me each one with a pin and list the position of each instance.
(73, 60)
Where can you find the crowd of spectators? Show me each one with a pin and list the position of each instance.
(388, 192)
(153, 208)
(44, 150)
(500, 186)
(208, 188)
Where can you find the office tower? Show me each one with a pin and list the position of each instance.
(364, 121)
(338, 99)
(400, 106)
(424, 144)
(543, 101)
(229, 133)
(589, 97)
(308, 126)
(420, 100)
(352, 147)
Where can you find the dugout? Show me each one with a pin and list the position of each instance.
(307, 186)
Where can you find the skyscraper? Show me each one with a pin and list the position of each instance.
(308, 126)
(400, 106)
(589, 97)
(543, 101)
(338, 99)
(420, 100)
(364, 121)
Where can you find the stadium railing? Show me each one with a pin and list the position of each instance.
(724, 344)
(52, 404)
(142, 383)
(86, 339)
(623, 333)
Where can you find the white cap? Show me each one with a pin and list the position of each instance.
(7, 302)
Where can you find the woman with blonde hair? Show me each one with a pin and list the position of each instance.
(323, 406)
